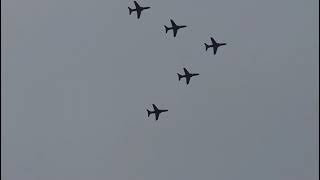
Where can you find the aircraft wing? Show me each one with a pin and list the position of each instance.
(175, 32)
(172, 23)
(186, 72)
(157, 116)
(137, 5)
(155, 107)
(215, 50)
(138, 13)
(188, 79)
(213, 41)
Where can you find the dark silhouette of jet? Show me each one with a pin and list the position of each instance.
(187, 75)
(138, 8)
(156, 111)
(174, 28)
(214, 45)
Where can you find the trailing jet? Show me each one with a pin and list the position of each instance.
(214, 45)
(138, 8)
(174, 28)
(156, 111)
(187, 75)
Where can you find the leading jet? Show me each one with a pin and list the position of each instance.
(156, 111)
(214, 45)
(138, 8)
(174, 28)
(187, 75)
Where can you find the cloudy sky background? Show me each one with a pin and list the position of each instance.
(78, 75)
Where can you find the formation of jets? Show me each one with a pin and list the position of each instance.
(174, 27)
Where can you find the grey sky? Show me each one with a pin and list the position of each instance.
(78, 75)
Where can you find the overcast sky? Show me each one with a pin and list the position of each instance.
(78, 76)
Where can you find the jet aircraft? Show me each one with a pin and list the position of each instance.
(214, 45)
(138, 9)
(187, 75)
(156, 111)
(174, 28)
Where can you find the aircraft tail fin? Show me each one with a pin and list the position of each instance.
(167, 29)
(207, 46)
(149, 112)
(130, 10)
(179, 76)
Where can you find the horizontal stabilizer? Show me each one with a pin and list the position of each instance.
(180, 76)
(167, 29)
(149, 112)
(207, 46)
(130, 10)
